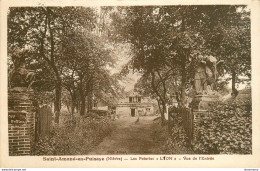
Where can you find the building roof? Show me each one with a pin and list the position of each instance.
(133, 93)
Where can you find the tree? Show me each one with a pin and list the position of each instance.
(175, 36)
(232, 42)
(69, 78)
(40, 31)
(85, 66)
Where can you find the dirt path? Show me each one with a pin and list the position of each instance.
(128, 137)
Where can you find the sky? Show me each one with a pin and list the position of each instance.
(122, 55)
(130, 81)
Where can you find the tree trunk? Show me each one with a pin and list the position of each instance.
(73, 104)
(68, 107)
(90, 95)
(183, 83)
(57, 102)
(78, 106)
(160, 98)
(161, 112)
(183, 66)
(82, 105)
(159, 106)
(164, 111)
(90, 101)
(51, 62)
(77, 103)
(234, 90)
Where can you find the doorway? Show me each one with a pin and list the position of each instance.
(132, 112)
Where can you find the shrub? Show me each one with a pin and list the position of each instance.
(227, 129)
(74, 137)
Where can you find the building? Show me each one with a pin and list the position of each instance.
(135, 105)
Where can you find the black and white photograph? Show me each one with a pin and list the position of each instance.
(129, 80)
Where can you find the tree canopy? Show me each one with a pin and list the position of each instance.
(167, 41)
(73, 48)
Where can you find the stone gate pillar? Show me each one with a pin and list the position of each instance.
(202, 103)
(21, 113)
(205, 78)
(21, 121)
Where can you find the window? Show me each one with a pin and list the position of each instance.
(130, 99)
(139, 99)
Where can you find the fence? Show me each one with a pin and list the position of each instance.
(43, 122)
(187, 120)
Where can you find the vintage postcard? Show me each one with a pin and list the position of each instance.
(130, 84)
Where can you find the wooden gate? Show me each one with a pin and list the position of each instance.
(187, 117)
(43, 122)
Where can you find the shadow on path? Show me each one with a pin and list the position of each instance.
(130, 137)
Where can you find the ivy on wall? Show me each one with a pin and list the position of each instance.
(227, 129)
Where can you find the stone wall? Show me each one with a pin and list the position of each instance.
(21, 122)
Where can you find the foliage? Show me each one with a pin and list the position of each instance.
(227, 129)
(43, 98)
(75, 137)
(232, 43)
(39, 31)
(86, 70)
(67, 47)
(172, 38)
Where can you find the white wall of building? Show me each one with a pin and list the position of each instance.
(142, 106)
(123, 111)
(140, 110)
